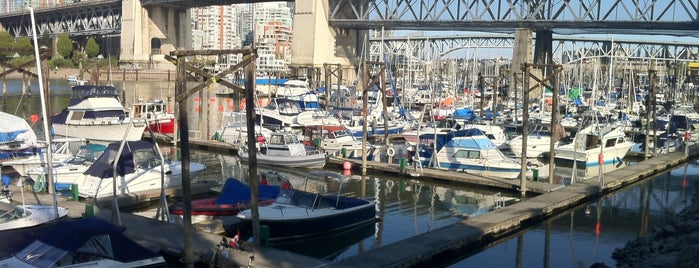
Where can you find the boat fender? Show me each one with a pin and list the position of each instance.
(390, 151)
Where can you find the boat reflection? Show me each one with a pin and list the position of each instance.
(331, 245)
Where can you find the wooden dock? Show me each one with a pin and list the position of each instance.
(421, 249)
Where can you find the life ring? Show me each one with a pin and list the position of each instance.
(390, 184)
(390, 151)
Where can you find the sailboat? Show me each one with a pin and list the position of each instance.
(15, 217)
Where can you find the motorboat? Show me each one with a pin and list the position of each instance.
(159, 117)
(234, 129)
(290, 111)
(538, 142)
(137, 167)
(586, 150)
(16, 136)
(24, 216)
(95, 113)
(298, 213)
(85, 242)
(285, 149)
(292, 88)
(234, 197)
(63, 149)
(67, 172)
(332, 139)
(471, 151)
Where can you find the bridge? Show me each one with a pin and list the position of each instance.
(163, 25)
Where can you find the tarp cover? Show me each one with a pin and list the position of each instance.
(235, 191)
(134, 152)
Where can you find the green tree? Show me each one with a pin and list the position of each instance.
(92, 49)
(24, 42)
(64, 46)
(45, 40)
(6, 42)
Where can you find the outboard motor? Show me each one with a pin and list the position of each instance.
(6, 192)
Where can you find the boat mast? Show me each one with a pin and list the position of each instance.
(47, 132)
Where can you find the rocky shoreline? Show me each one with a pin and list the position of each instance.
(673, 245)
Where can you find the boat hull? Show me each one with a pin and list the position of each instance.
(310, 222)
(590, 158)
(208, 207)
(313, 161)
(101, 131)
(139, 181)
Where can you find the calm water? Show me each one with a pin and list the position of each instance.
(409, 206)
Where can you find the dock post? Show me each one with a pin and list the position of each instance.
(264, 235)
(74, 191)
(89, 210)
(344, 152)
(402, 165)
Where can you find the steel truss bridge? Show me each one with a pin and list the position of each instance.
(565, 48)
(645, 17)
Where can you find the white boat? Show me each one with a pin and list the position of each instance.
(23, 216)
(86, 242)
(332, 139)
(63, 149)
(95, 113)
(139, 168)
(285, 149)
(15, 134)
(538, 142)
(68, 171)
(292, 88)
(471, 151)
(289, 111)
(585, 148)
(234, 129)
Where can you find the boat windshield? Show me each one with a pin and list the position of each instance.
(15, 213)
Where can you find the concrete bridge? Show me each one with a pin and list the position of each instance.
(335, 31)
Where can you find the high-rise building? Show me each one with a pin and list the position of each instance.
(265, 26)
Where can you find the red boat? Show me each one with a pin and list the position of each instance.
(234, 197)
(160, 118)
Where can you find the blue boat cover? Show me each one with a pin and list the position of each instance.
(235, 191)
(10, 136)
(70, 235)
(102, 168)
(464, 113)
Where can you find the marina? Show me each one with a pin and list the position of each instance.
(347, 144)
(543, 200)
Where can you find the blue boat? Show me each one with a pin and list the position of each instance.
(301, 214)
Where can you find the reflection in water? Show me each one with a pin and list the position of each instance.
(331, 245)
(589, 233)
(405, 207)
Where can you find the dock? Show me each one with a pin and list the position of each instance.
(469, 233)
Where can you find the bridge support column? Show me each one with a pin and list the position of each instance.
(522, 53)
(160, 30)
(321, 44)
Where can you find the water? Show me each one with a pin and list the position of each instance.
(410, 206)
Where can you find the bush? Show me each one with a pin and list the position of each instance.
(61, 63)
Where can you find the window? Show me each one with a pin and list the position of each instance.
(468, 154)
